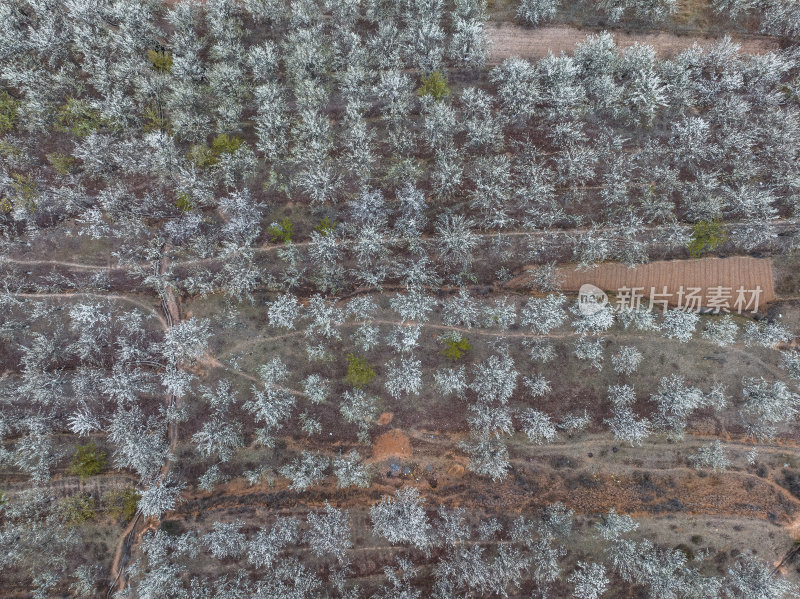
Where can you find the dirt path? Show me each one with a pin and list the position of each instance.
(172, 316)
(124, 543)
(738, 348)
(77, 265)
(777, 226)
(108, 296)
(514, 40)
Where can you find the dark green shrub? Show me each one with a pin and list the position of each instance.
(205, 157)
(161, 60)
(223, 144)
(706, 237)
(359, 372)
(325, 227)
(183, 202)
(77, 117)
(281, 232)
(87, 461)
(8, 111)
(24, 187)
(122, 503)
(63, 163)
(434, 85)
(154, 119)
(77, 509)
(455, 347)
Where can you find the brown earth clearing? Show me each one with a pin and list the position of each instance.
(703, 274)
(391, 444)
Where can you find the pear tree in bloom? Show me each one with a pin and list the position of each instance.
(220, 435)
(316, 388)
(161, 497)
(402, 519)
(543, 315)
(537, 385)
(451, 381)
(590, 580)
(404, 377)
(329, 533)
(679, 324)
(767, 405)
(283, 311)
(612, 526)
(538, 426)
(350, 471)
(676, 401)
(361, 409)
(766, 334)
(534, 12)
(627, 360)
(488, 456)
(721, 330)
(711, 456)
(305, 471)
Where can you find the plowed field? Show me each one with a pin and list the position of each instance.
(705, 274)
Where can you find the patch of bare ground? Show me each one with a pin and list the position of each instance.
(704, 274)
(384, 419)
(515, 40)
(584, 474)
(391, 444)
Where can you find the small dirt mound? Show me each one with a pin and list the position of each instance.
(456, 470)
(391, 444)
(384, 419)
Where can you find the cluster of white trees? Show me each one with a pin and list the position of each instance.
(113, 398)
(470, 558)
(623, 140)
(776, 18)
(180, 134)
(534, 12)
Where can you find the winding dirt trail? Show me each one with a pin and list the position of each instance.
(107, 296)
(172, 316)
(777, 226)
(77, 265)
(737, 348)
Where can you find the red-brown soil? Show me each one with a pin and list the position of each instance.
(384, 419)
(391, 444)
(705, 273)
